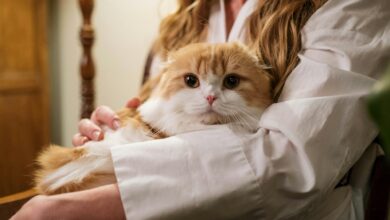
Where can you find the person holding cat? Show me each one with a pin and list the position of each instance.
(307, 141)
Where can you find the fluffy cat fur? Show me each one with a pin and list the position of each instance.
(199, 85)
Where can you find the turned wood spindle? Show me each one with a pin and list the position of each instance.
(87, 67)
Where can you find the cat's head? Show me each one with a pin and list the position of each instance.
(203, 84)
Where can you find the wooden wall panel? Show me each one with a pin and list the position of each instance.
(24, 115)
(17, 42)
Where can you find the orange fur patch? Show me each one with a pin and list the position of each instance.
(53, 158)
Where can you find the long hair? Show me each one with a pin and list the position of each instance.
(273, 31)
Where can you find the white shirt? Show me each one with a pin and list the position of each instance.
(306, 142)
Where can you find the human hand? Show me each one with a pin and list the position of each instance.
(90, 129)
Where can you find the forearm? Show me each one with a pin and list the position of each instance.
(99, 203)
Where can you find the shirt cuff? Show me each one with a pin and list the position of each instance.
(201, 175)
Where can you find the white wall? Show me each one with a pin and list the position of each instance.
(124, 32)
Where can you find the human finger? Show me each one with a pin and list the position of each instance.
(133, 103)
(104, 115)
(79, 140)
(90, 130)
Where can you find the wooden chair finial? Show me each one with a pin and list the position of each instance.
(87, 67)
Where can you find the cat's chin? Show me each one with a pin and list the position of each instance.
(211, 118)
(205, 122)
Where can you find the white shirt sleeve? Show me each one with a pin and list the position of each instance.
(306, 143)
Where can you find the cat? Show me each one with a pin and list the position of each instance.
(199, 85)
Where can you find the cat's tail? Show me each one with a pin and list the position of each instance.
(64, 169)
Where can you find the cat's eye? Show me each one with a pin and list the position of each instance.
(231, 81)
(191, 80)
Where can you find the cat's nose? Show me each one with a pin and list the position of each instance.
(211, 99)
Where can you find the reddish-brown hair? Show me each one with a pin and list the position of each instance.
(273, 29)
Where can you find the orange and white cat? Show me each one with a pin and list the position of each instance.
(199, 85)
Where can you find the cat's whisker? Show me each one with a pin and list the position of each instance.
(241, 116)
(248, 119)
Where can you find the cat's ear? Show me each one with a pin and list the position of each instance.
(254, 55)
(240, 46)
(265, 66)
(167, 62)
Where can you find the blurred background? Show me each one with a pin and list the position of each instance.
(124, 31)
(40, 53)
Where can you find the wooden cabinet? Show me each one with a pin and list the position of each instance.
(24, 115)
